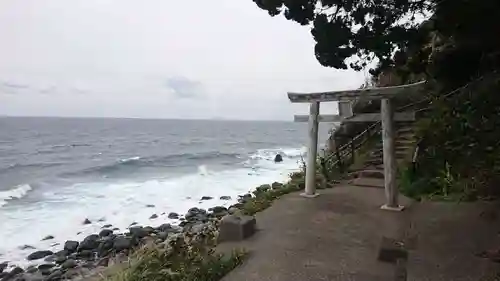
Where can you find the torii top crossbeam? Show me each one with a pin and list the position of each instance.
(369, 93)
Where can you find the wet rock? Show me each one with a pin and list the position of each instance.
(55, 244)
(107, 226)
(103, 262)
(166, 227)
(198, 228)
(219, 209)
(262, 188)
(153, 216)
(48, 237)
(138, 232)
(3, 266)
(71, 246)
(56, 275)
(150, 206)
(27, 247)
(14, 272)
(173, 216)
(226, 198)
(116, 229)
(46, 266)
(278, 158)
(60, 259)
(102, 219)
(85, 255)
(87, 221)
(163, 235)
(244, 198)
(105, 232)
(134, 223)
(71, 273)
(233, 210)
(105, 246)
(69, 264)
(150, 229)
(89, 243)
(122, 243)
(33, 276)
(206, 198)
(276, 185)
(31, 269)
(39, 255)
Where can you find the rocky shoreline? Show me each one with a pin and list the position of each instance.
(80, 259)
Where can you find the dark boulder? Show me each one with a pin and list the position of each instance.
(278, 158)
(86, 255)
(134, 223)
(107, 226)
(150, 206)
(60, 259)
(39, 255)
(46, 266)
(102, 219)
(31, 269)
(103, 262)
(54, 276)
(87, 221)
(153, 216)
(14, 272)
(173, 216)
(105, 246)
(166, 227)
(26, 247)
(71, 246)
(48, 237)
(206, 198)
(138, 232)
(163, 235)
(105, 232)
(3, 266)
(219, 209)
(226, 198)
(69, 264)
(277, 185)
(89, 243)
(122, 243)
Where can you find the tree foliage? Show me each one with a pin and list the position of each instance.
(457, 40)
(351, 33)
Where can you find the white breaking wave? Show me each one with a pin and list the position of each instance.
(15, 193)
(130, 159)
(202, 170)
(62, 210)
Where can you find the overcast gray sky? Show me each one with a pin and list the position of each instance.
(156, 59)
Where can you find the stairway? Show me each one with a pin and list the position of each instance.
(371, 173)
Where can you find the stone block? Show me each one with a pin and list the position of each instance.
(391, 250)
(236, 228)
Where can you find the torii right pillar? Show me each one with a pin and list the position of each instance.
(390, 167)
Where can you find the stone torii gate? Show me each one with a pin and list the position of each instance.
(345, 99)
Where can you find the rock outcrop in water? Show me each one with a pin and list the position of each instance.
(278, 158)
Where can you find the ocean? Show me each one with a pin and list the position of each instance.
(57, 172)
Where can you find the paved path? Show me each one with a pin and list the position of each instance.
(335, 236)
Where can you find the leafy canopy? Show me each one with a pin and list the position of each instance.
(350, 33)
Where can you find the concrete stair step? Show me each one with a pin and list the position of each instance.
(368, 182)
(378, 174)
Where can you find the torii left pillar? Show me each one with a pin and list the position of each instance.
(310, 188)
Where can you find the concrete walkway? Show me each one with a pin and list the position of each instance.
(335, 236)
